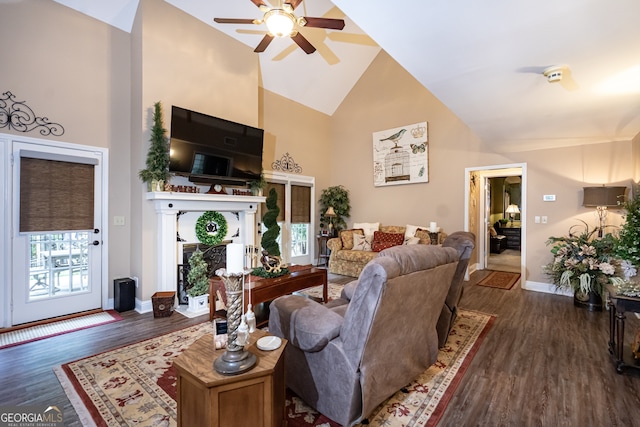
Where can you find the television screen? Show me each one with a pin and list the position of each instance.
(212, 150)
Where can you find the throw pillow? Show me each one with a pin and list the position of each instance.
(361, 242)
(386, 240)
(347, 237)
(411, 240)
(423, 235)
(368, 227)
(410, 230)
(492, 231)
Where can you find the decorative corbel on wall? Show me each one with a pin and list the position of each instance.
(286, 164)
(18, 116)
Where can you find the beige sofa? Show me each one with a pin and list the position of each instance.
(347, 261)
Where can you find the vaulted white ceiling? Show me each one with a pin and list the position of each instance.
(483, 60)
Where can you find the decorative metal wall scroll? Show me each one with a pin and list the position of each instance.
(286, 164)
(18, 116)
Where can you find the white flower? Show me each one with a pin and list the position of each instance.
(607, 268)
(628, 269)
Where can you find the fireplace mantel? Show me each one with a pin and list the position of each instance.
(168, 204)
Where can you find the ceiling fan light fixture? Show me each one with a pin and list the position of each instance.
(279, 22)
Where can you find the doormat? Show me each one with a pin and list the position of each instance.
(500, 280)
(50, 329)
(136, 384)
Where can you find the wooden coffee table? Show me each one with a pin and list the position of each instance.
(263, 290)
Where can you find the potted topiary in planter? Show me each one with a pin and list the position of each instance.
(198, 280)
(257, 185)
(271, 261)
(336, 197)
(156, 174)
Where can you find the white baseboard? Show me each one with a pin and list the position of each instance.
(548, 288)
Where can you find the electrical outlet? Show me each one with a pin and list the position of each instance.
(118, 220)
(135, 279)
(544, 219)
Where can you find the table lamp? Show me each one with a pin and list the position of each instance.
(512, 210)
(601, 198)
(330, 213)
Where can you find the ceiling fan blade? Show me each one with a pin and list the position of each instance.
(294, 3)
(234, 21)
(303, 43)
(330, 23)
(263, 43)
(259, 3)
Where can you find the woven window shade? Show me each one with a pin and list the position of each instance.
(56, 195)
(281, 201)
(300, 204)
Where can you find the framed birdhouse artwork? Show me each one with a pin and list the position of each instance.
(401, 155)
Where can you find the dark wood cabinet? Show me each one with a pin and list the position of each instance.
(513, 236)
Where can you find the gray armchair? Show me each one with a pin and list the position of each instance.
(346, 358)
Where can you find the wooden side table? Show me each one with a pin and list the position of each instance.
(618, 305)
(207, 398)
(323, 251)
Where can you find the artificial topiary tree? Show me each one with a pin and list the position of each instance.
(628, 243)
(197, 276)
(270, 220)
(272, 264)
(158, 155)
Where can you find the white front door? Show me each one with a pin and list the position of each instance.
(56, 272)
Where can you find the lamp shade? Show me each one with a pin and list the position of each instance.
(330, 212)
(603, 196)
(512, 209)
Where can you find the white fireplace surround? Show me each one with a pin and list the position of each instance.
(168, 204)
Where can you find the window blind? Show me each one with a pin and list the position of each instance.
(300, 204)
(281, 199)
(56, 195)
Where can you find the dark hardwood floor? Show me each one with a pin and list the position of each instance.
(544, 363)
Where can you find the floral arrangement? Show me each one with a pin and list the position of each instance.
(582, 262)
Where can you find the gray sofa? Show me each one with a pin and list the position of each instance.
(347, 357)
(464, 243)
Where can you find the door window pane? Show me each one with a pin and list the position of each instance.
(58, 264)
(299, 239)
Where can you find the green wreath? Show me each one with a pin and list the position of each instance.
(211, 228)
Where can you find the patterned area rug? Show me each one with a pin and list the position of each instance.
(135, 384)
(46, 330)
(500, 280)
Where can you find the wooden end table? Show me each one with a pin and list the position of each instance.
(206, 398)
(263, 290)
(618, 305)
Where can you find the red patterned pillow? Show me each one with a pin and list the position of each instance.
(383, 240)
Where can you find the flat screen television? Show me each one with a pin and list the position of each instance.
(210, 150)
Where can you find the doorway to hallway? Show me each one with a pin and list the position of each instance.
(496, 212)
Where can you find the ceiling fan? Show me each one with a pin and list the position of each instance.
(281, 22)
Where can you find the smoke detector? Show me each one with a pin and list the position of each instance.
(553, 74)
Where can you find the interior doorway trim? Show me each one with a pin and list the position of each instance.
(483, 173)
